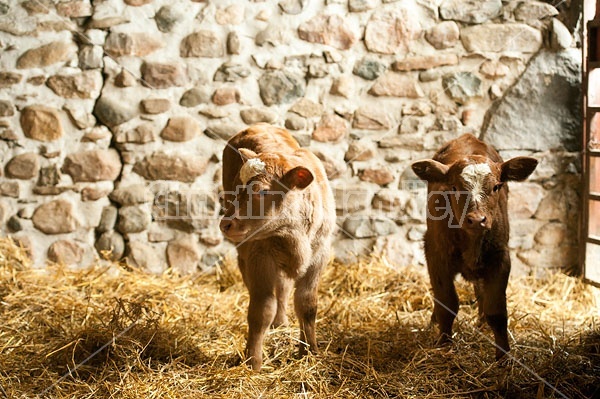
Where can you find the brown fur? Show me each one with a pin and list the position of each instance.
(287, 241)
(472, 239)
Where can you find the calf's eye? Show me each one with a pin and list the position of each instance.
(497, 187)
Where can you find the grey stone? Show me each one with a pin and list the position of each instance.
(370, 118)
(400, 252)
(364, 226)
(196, 96)
(167, 17)
(501, 38)
(131, 195)
(369, 68)
(275, 35)
(108, 219)
(161, 166)
(210, 259)
(560, 37)
(548, 94)
(185, 211)
(278, 87)
(141, 134)
(230, 72)
(251, 116)
(14, 224)
(233, 43)
(462, 86)
(533, 10)
(293, 7)
(110, 245)
(133, 219)
(361, 5)
(82, 118)
(113, 111)
(222, 130)
(9, 189)
(352, 197)
(470, 11)
(416, 233)
(6, 108)
(90, 57)
(295, 122)
(349, 251)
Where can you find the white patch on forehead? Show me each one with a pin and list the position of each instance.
(474, 176)
(252, 167)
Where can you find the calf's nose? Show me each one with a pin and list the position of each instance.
(225, 225)
(476, 220)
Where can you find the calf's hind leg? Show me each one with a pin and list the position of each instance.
(305, 304)
(494, 310)
(284, 286)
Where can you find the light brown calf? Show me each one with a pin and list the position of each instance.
(280, 213)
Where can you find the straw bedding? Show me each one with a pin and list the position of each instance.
(110, 332)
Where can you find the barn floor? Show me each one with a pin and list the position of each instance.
(113, 333)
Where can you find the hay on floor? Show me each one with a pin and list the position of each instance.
(108, 332)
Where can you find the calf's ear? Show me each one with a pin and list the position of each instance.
(246, 154)
(430, 170)
(518, 168)
(299, 177)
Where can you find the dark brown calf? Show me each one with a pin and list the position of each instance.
(281, 216)
(467, 229)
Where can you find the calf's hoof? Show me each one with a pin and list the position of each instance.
(443, 340)
(502, 355)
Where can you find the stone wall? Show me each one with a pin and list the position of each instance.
(114, 115)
